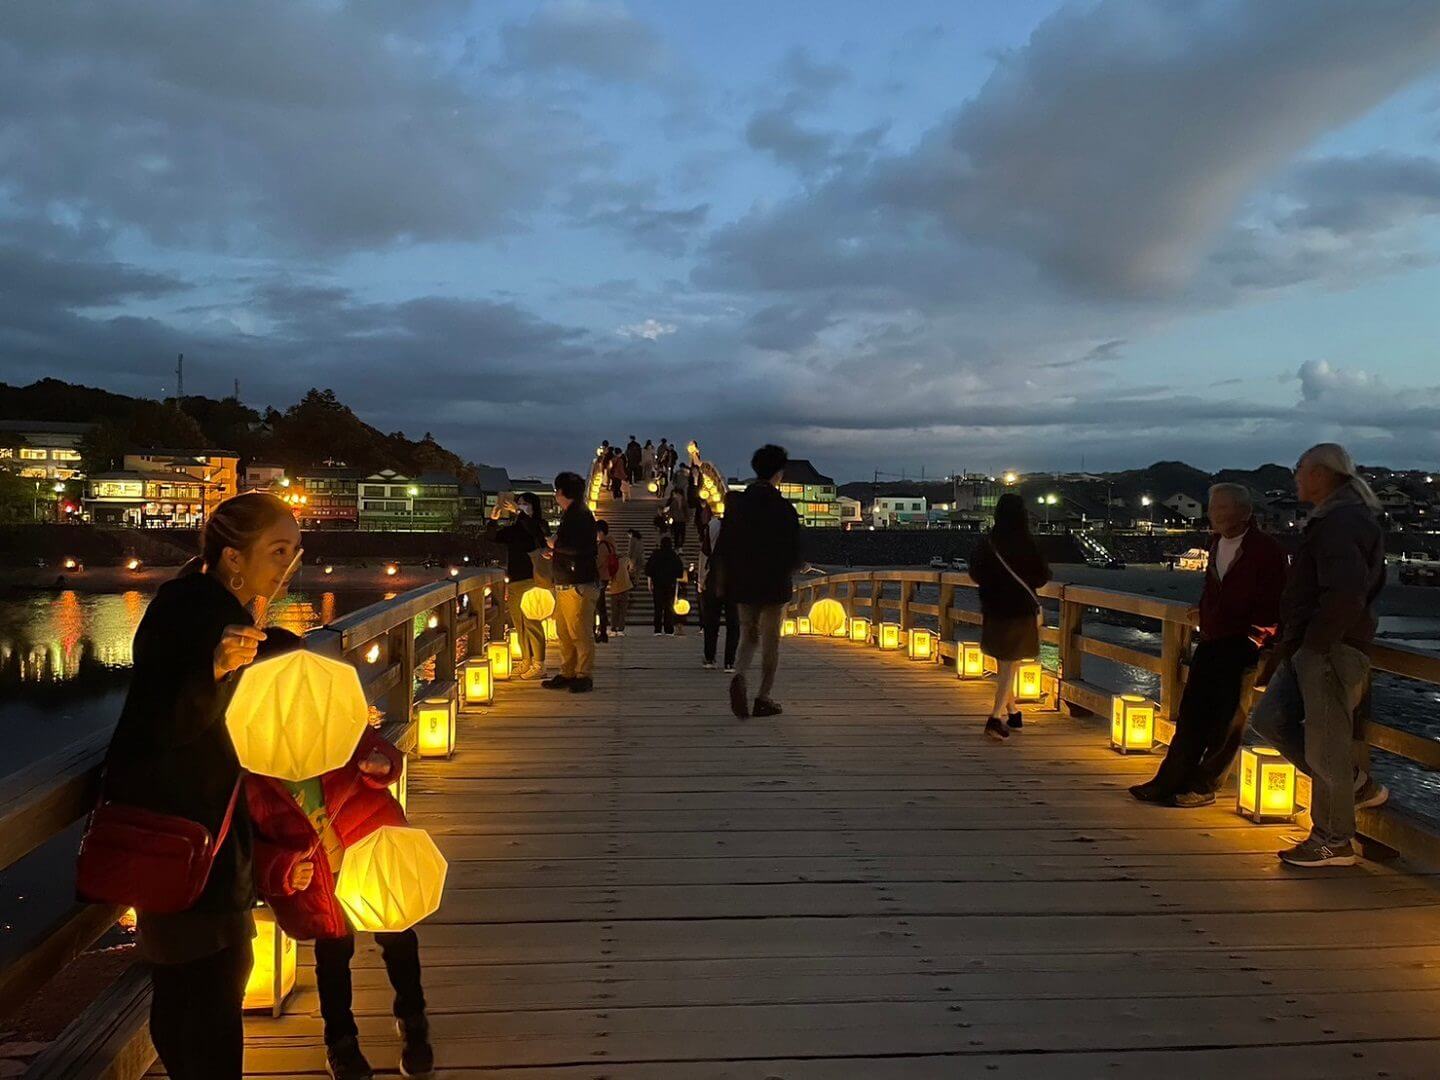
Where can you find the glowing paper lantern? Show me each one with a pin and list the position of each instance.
(537, 604)
(400, 786)
(889, 636)
(653, 487)
(827, 618)
(1267, 785)
(860, 630)
(802, 625)
(682, 606)
(516, 649)
(435, 723)
(1132, 724)
(498, 653)
(272, 975)
(1029, 680)
(787, 628)
(296, 715)
(391, 879)
(922, 644)
(478, 681)
(969, 660)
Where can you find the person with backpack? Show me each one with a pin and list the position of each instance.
(622, 582)
(1007, 567)
(664, 569)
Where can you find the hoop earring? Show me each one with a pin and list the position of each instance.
(236, 582)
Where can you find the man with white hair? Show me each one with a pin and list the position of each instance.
(1319, 673)
(1238, 612)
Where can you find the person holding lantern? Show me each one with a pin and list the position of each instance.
(524, 534)
(573, 553)
(664, 569)
(172, 755)
(302, 831)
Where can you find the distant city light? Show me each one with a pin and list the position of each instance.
(1011, 477)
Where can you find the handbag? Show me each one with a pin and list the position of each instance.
(156, 863)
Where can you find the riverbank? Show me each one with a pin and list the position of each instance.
(119, 579)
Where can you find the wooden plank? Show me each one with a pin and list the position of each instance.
(63, 939)
(49, 796)
(109, 1040)
(1120, 654)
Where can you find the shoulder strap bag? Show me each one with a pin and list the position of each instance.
(1039, 612)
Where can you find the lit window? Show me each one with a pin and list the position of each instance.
(27, 454)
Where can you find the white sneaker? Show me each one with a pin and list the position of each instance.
(708, 665)
(534, 671)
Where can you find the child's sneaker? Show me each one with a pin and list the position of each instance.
(344, 1061)
(417, 1058)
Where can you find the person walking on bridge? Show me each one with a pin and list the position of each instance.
(647, 461)
(759, 550)
(632, 460)
(1007, 567)
(712, 607)
(1238, 613)
(1319, 673)
(574, 551)
(664, 569)
(526, 533)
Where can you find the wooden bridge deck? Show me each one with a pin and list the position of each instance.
(643, 887)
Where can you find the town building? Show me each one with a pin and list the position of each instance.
(392, 502)
(811, 493)
(1187, 507)
(848, 511)
(263, 476)
(42, 449)
(151, 498)
(217, 471)
(891, 511)
(326, 496)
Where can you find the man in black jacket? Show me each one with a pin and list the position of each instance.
(759, 550)
(577, 586)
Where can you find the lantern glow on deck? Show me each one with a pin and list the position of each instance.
(921, 645)
(272, 975)
(890, 637)
(516, 649)
(1266, 785)
(827, 617)
(478, 681)
(1029, 681)
(969, 660)
(802, 625)
(787, 627)
(860, 630)
(435, 723)
(1132, 724)
(391, 879)
(498, 653)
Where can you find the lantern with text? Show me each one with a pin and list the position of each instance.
(435, 722)
(516, 649)
(272, 973)
(391, 879)
(827, 617)
(1267, 785)
(552, 629)
(296, 715)
(802, 625)
(921, 645)
(969, 660)
(498, 653)
(890, 637)
(537, 604)
(860, 630)
(787, 628)
(478, 681)
(1132, 724)
(1029, 680)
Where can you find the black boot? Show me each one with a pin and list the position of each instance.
(344, 1060)
(417, 1058)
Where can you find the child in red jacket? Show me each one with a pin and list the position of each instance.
(301, 833)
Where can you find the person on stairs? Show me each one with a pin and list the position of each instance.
(621, 583)
(522, 534)
(607, 564)
(1007, 568)
(632, 460)
(617, 473)
(664, 570)
(712, 607)
(647, 461)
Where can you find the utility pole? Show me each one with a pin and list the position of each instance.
(237, 390)
(180, 380)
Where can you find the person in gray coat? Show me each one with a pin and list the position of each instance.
(1319, 673)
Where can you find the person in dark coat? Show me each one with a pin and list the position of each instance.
(712, 608)
(1007, 568)
(574, 550)
(632, 459)
(525, 533)
(171, 753)
(759, 550)
(664, 569)
(1239, 611)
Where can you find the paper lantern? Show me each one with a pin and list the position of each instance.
(1029, 681)
(516, 649)
(272, 973)
(537, 604)
(802, 625)
(827, 616)
(969, 660)
(921, 645)
(860, 630)
(682, 606)
(1132, 724)
(890, 638)
(435, 723)
(787, 628)
(391, 879)
(653, 487)
(296, 715)
(552, 629)
(498, 653)
(400, 786)
(478, 681)
(1267, 785)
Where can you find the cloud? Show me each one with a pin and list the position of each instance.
(629, 209)
(1364, 193)
(601, 40)
(779, 133)
(649, 330)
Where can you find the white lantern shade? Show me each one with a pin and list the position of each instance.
(391, 879)
(296, 716)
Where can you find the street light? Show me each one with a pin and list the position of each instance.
(1147, 501)
(1010, 477)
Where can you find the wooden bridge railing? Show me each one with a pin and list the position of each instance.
(388, 643)
(890, 595)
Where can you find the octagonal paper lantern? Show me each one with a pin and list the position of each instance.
(827, 618)
(296, 715)
(537, 604)
(682, 606)
(391, 879)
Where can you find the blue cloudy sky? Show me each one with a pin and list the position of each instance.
(889, 235)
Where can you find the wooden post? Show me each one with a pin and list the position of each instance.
(445, 666)
(1174, 643)
(877, 589)
(947, 621)
(401, 651)
(907, 589)
(1072, 616)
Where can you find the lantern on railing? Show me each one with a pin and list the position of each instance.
(890, 638)
(827, 617)
(537, 604)
(391, 879)
(802, 625)
(788, 627)
(860, 630)
(272, 971)
(552, 629)
(478, 681)
(498, 653)
(921, 645)
(435, 722)
(1266, 785)
(1029, 680)
(296, 715)
(1132, 724)
(516, 649)
(969, 660)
